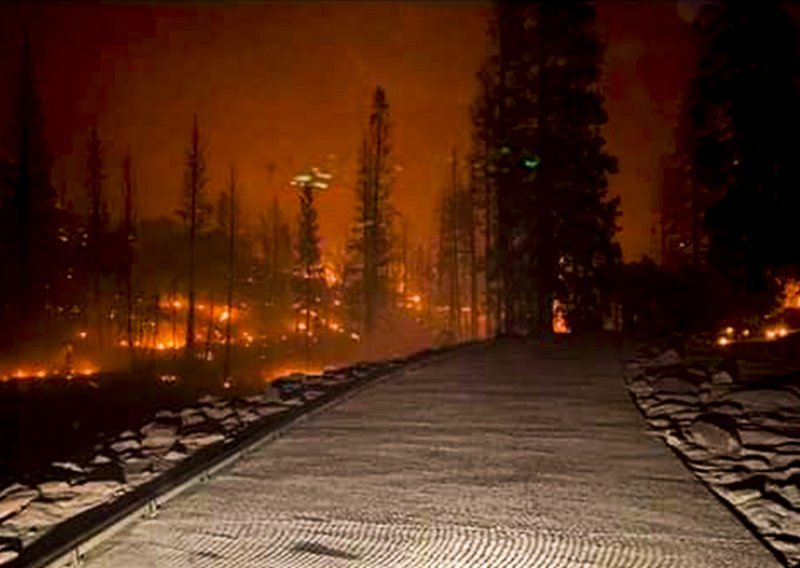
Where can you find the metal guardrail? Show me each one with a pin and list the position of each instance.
(67, 543)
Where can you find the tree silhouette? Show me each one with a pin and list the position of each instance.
(742, 112)
(96, 234)
(194, 207)
(545, 155)
(30, 218)
(370, 243)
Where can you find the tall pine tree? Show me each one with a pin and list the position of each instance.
(370, 245)
(544, 153)
(742, 114)
(30, 217)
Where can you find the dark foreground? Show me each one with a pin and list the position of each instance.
(511, 454)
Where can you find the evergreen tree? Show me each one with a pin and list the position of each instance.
(30, 214)
(309, 280)
(96, 235)
(483, 186)
(555, 220)
(742, 112)
(276, 247)
(370, 246)
(679, 227)
(449, 258)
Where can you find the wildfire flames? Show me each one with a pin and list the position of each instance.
(789, 300)
(559, 319)
(291, 369)
(33, 371)
(791, 294)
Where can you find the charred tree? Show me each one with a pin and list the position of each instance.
(129, 240)
(226, 373)
(194, 202)
(96, 235)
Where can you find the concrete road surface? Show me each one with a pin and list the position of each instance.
(503, 455)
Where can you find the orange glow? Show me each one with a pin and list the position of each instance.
(291, 369)
(791, 294)
(43, 372)
(559, 320)
(330, 275)
(26, 373)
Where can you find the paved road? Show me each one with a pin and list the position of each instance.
(504, 455)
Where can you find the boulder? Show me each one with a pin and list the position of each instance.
(125, 445)
(200, 440)
(674, 386)
(7, 555)
(721, 378)
(716, 433)
(764, 400)
(668, 358)
(56, 490)
(218, 413)
(640, 388)
(15, 499)
(158, 436)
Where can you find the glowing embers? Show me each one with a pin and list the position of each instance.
(34, 371)
(776, 332)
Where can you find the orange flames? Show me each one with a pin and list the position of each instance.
(791, 294)
(291, 369)
(34, 371)
(559, 319)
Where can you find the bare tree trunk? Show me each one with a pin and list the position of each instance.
(231, 275)
(473, 269)
(454, 235)
(695, 223)
(210, 328)
(127, 190)
(194, 188)
(491, 303)
(505, 288)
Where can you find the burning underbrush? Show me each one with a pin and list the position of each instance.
(137, 451)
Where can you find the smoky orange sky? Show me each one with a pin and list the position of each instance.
(290, 85)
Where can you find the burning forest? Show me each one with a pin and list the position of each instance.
(216, 219)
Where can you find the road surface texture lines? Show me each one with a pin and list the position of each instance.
(503, 455)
